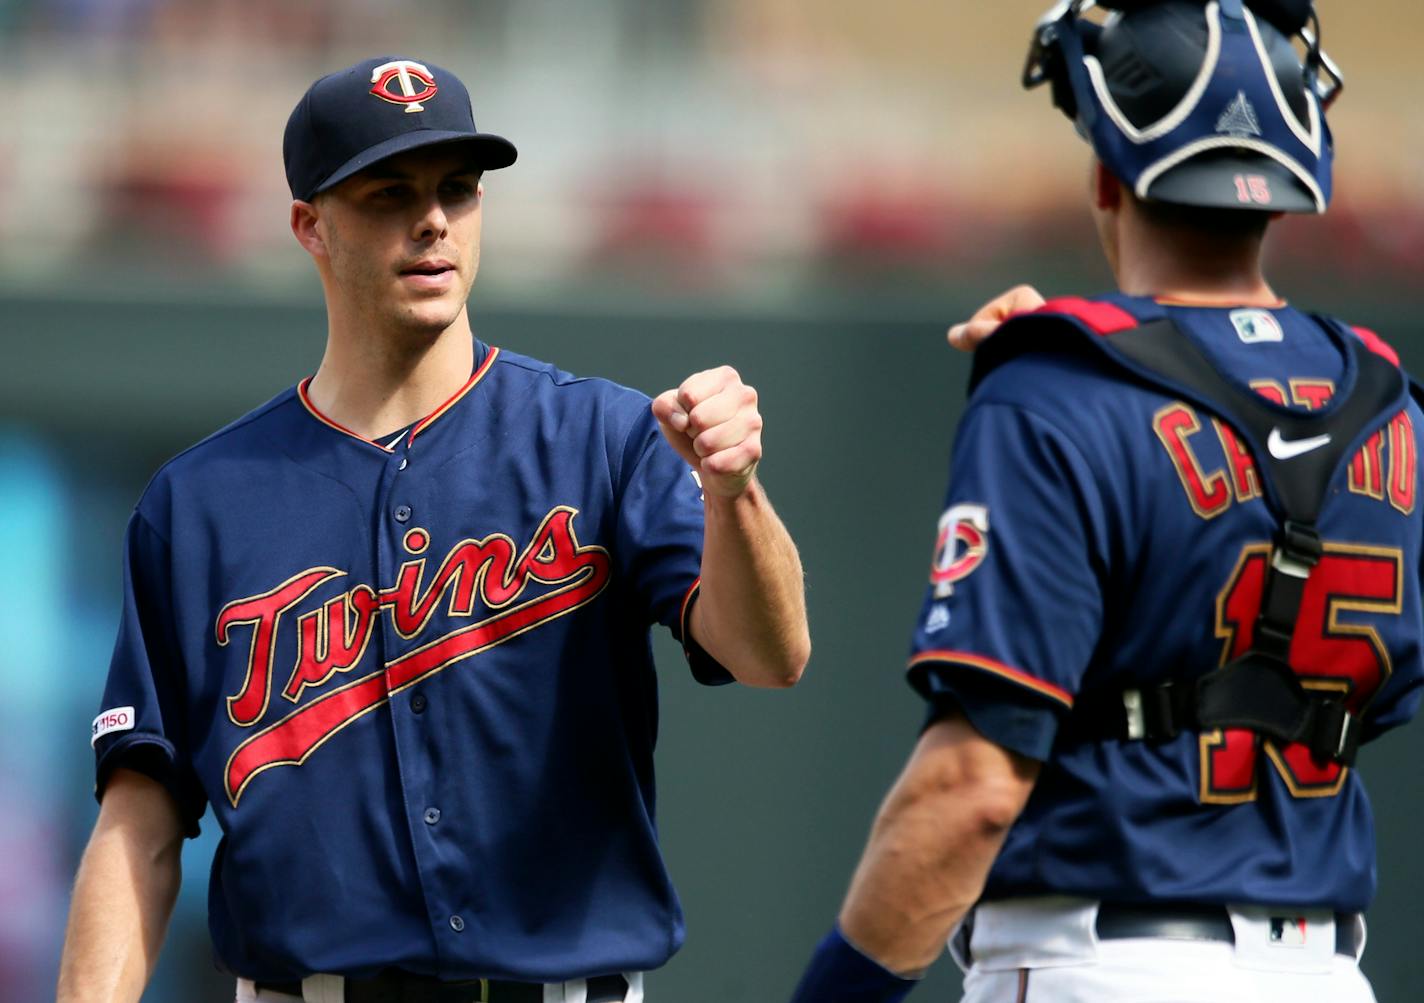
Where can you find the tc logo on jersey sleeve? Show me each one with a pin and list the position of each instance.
(961, 546)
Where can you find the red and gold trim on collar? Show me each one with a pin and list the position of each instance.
(311, 408)
(1204, 303)
(420, 426)
(1008, 672)
(459, 395)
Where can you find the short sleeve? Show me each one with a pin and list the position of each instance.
(660, 531)
(141, 724)
(1014, 605)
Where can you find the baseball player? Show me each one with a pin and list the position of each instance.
(392, 626)
(1176, 583)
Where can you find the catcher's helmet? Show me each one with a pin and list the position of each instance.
(1197, 103)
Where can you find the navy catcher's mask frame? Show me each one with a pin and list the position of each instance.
(1232, 140)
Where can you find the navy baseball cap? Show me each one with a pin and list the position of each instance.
(380, 107)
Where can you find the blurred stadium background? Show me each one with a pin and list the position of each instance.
(809, 189)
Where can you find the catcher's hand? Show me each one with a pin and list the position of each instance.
(967, 335)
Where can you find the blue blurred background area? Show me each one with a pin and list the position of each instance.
(810, 190)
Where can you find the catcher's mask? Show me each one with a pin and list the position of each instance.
(1197, 103)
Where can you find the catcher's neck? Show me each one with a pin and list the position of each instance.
(1191, 267)
(1168, 252)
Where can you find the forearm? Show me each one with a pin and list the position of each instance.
(931, 848)
(751, 609)
(918, 877)
(123, 897)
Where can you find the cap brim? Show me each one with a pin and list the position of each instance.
(487, 151)
(1229, 180)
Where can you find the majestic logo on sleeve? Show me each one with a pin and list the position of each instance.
(963, 541)
(333, 638)
(406, 74)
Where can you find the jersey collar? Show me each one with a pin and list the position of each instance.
(420, 426)
(1188, 301)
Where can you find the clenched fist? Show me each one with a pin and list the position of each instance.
(713, 422)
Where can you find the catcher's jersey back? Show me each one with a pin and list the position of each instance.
(1099, 533)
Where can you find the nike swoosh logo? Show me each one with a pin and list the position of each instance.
(1285, 449)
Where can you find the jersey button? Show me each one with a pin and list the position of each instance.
(417, 703)
(457, 923)
(432, 815)
(402, 513)
(403, 463)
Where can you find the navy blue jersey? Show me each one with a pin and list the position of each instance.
(1099, 533)
(414, 680)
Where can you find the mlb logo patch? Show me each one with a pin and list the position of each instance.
(1288, 931)
(1255, 326)
(114, 719)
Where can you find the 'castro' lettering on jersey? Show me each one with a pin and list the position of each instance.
(334, 638)
(1211, 489)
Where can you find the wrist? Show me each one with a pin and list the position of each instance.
(841, 973)
(750, 497)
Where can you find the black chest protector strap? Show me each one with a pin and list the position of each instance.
(1297, 455)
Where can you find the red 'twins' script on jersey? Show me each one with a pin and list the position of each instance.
(333, 638)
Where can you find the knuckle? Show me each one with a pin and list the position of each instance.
(698, 421)
(721, 463)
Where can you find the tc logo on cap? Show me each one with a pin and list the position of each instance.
(405, 72)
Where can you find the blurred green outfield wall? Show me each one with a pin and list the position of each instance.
(765, 798)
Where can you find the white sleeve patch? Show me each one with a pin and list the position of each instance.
(117, 719)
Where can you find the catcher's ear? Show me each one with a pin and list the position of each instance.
(1107, 189)
(304, 222)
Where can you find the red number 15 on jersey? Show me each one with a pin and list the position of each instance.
(1335, 647)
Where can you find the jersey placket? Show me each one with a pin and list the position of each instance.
(400, 538)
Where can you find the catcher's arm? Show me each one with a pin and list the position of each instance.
(937, 834)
